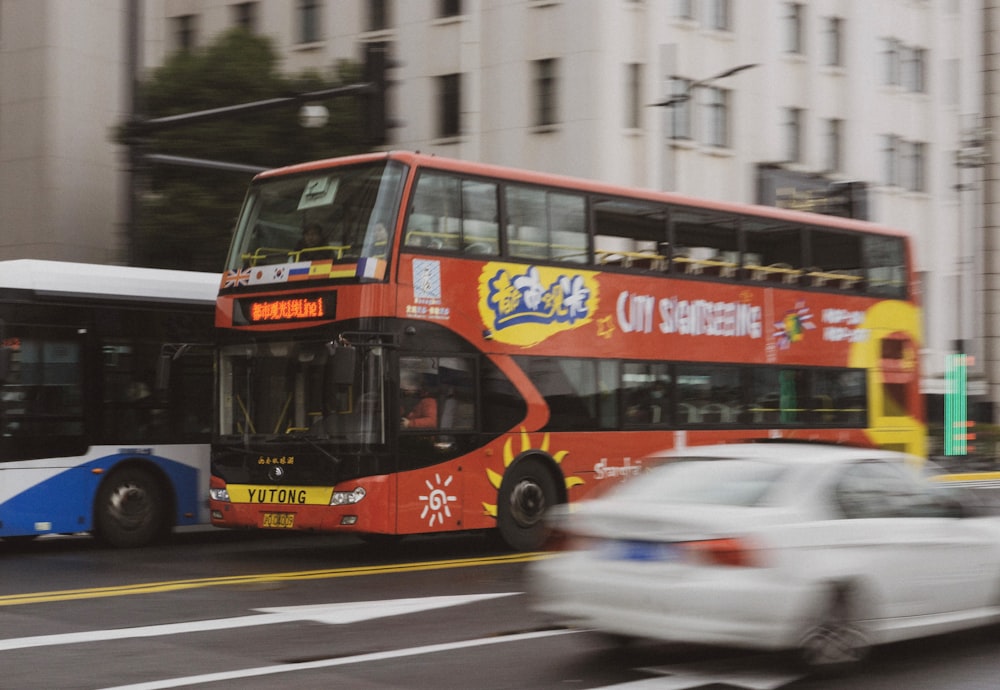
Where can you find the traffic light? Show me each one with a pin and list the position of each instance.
(374, 106)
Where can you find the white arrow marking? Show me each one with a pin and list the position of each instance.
(206, 678)
(330, 614)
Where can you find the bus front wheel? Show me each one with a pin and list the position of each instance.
(527, 492)
(131, 508)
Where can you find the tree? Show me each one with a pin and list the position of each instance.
(185, 215)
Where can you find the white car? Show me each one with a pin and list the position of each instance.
(822, 549)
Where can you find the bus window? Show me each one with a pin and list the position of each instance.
(285, 388)
(480, 218)
(503, 405)
(352, 208)
(42, 399)
(567, 219)
(838, 397)
(546, 225)
(456, 401)
(704, 243)
(630, 233)
(435, 213)
(773, 251)
(834, 260)
(450, 213)
(607, 385)
(646, 394)
(886, 266)
(781, 396)
(570, 389)
(419, 385)
(708, 394)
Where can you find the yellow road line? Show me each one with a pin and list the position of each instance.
(177, 585)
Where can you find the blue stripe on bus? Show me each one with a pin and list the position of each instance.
(63, 504)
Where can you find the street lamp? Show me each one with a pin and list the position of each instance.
(686, 94)
(971, 155)
(314, 115)
(683, 97)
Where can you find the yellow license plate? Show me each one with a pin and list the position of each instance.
(278, 520)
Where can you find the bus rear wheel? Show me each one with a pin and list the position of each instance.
(131, 508)
(527, 492)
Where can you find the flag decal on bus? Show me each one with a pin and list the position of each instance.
(370, 267)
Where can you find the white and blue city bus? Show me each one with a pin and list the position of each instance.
(105, 399)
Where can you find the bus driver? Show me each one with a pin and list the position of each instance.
(423, 412)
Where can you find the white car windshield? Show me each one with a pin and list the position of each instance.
(732, 482)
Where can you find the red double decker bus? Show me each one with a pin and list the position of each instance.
(411, 344)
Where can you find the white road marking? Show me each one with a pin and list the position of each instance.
(330, 614)
(743, 672)
(329, 663)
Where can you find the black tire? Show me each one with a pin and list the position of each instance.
(131, 508)
(20, 539)
(835, 642)
(527, 492)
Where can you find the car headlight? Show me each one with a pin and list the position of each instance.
(346, 498)
(219, 494)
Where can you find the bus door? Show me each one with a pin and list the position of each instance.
(436, 421)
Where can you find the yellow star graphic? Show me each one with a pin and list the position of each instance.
(605, 326)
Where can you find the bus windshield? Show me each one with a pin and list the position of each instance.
(302, 389)
(340, 214)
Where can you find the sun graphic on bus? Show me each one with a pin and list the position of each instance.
(436, 500)
(508, 457)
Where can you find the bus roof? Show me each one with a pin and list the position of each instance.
(69, 279)
(584, 185)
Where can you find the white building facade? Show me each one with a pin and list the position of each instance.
(887, 95)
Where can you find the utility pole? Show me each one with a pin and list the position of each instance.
(136, 132)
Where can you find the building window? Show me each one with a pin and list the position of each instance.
(449, 8)
(890, 155)
(834, 41)
(834, 145)
(245, 16)
(546, 92)
(720, 15)
(378, 15)
(914, 166)
(891, 62)
(717, 117)
(795, 28)
(794, 135)
(309, 21)
(449, 105)
(633, 99)
(680, 111)
(684, 9)
(913, 69)
(185, 32)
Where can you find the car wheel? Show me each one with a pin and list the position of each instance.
(131, 508)
(835, 641)
(527, 492)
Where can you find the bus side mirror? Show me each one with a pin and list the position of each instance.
(342, 364)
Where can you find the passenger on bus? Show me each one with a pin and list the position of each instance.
(419, 408)
(312, 236)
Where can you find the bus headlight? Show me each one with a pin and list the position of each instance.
(346, 498)
(220, 494)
